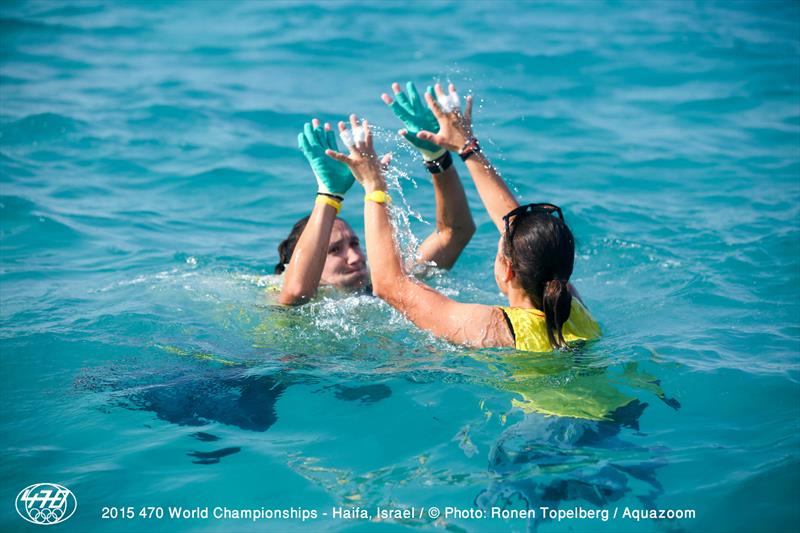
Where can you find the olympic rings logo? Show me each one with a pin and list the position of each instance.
(46, 504)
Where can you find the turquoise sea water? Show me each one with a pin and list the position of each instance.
(149, 170)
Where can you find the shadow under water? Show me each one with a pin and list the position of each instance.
(569, 445)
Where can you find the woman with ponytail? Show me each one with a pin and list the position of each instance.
(535, 252)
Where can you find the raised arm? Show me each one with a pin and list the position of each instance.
(470, 324)
(455, 133)
(334, 179)
(454, 224)
(308, 259)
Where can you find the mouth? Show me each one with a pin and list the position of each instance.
(356, 275)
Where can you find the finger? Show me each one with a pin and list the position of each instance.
(359, 136)
(468, 110)
(337, 156)
(438, 89)
(346, 136)
(347, 139)
(408, 136)
(402, 99)
(330, 137)
(385, 160)
(432, 137)
(401, 112)
(386, 99)
(319, 133)
(452, 99)
(308, 131)
(302, 143)
(367, 133)
(396, 88)
(413, 96)
(434, 106)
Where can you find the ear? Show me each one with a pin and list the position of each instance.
(507, 272)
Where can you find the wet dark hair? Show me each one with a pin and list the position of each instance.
(286, 247)
(542, 255)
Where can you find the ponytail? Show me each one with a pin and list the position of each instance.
(557, 303)
(286, 247)
(542, 256)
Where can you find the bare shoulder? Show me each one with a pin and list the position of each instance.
(475, 325)
(495, 330)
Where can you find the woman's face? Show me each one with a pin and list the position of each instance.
(345, 264)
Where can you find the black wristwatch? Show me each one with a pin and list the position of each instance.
(440, 164)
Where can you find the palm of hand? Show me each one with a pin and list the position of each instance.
(365, 164)
(454, 131)
(455, 128)
(362, 160)
(333, 177)
(416, 117)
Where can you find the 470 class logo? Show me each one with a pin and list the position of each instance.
(46, 503)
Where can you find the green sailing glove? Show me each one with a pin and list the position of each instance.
(416, 116)
(332, 176)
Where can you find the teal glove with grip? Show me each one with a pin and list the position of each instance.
(333, 177)
(416, 116)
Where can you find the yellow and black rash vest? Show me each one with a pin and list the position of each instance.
(530, 329)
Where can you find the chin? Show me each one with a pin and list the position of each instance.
(355, 281)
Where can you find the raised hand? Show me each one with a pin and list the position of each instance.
(332, 176)
(416, 117)
(362, 160)
(455, 128)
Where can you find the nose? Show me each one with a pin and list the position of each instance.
(355, 257)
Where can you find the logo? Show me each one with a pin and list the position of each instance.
(46, 504)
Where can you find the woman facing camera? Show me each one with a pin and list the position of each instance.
(533, 261)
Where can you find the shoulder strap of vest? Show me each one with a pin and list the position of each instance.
(510, 325)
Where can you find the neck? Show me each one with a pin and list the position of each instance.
(519, 298)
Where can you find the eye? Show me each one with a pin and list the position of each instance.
(334, 250)
(355, 242)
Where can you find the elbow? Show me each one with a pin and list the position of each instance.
(388, 289)
(381, 290)
(294, 296)
(456, 240)
(465, 233)
(459, 236)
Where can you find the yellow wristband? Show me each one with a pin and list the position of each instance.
(322, 199)
(379, 197)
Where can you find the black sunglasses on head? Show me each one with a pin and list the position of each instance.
(524, 209)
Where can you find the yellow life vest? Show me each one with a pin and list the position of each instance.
(530, 328)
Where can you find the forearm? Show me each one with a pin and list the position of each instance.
(308, 259)
(452, 209)
(454, 224)
(495, 194)
(385, 262)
